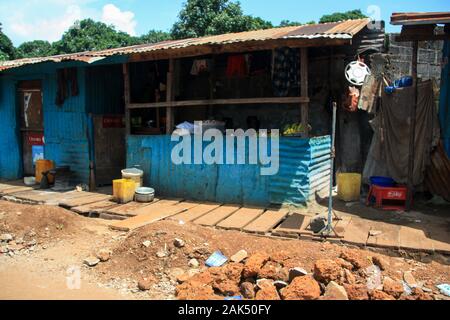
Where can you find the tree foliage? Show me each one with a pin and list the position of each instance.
(7, 50)
(36, 48)
(341, 16)
(154, 36)
(211, 17)
(288, 23)
(87, 35)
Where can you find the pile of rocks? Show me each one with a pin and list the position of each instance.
(11, 245)
(275, 277)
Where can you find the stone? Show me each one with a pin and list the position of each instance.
(280, 284)
(375, 233)
(161, 254)
(15, 247)
(254, 264)
(194, 290)
(146, 244)
(392, 287)
(175, 273)
(326, 271)
(4, 249)
(349, 277)
(261, 283)
(267, 292)
(145, 284)
(373, 278)
(179, 243)
(334, 291)
(274, 271)
(355, 259)
(239, 256)
(6, 237)
(226, 287)
(344, 264)
(302, 288)
(91, 261)
(104, 255)
(357, 291)
(419, 294)
(409, 279)
(381, 262)
(296, 272)
(380, 295)
(248, 290)
(193, 263)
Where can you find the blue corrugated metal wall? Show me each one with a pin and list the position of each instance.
(65, 128)
(304, 164)
(10, 160)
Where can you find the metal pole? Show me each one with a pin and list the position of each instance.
(333, 156)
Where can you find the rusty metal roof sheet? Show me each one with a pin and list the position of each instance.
(337, 30)
(418, 18)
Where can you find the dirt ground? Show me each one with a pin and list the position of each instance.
(45, 258)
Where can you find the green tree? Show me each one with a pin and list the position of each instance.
(7, 50)
(88, 35)
(154, 36)
(288, 23)
(36, 48)
(341, 16)
(211, 17)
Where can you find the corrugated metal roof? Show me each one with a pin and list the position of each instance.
(417, 18)
(337, 30)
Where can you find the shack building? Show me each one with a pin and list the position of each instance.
(99, 112)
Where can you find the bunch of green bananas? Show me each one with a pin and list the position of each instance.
(295, 128)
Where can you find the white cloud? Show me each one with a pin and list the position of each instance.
(122, 20)
(46, 29)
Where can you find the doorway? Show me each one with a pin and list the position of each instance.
(31, 124)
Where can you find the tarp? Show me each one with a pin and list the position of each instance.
(389, 151)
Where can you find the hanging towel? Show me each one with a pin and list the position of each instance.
(237, 66)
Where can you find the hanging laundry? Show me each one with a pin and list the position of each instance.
(237, 66)
(200, 66)
(286, 71)
(351, 99)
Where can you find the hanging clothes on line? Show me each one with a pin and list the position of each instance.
(286, 71)
(200, 65)
(237, 66)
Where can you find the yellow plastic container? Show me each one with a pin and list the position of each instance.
(43, 166)
(349, 186)
(124, 190)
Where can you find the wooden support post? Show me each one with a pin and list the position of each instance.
(170, 97)
(126, 88)
(304, 90)
(412, 135)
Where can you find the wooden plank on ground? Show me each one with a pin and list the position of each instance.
(152, 215)
(241, 218)
(71, 203)
(267, 221)
(386, 236)
(128, 210)
(12, 190)
(214, 217)
(96, 207)
(159, 204)
(11, 184)
(65, 196)
(358, 231)
(196, 212)
(293, 225)
(414, 239)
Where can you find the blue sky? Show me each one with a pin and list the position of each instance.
(25, 20)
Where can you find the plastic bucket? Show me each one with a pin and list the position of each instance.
(134, 174)
(124, 190)
(349, 186)
(43, 166)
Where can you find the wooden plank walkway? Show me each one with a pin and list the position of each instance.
(81, 201)
(95, 208)
(196, 212)
(214, 217)
(241, 218)
(267, 221)
(129, 209)
(153, 214)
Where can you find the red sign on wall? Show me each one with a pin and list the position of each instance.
(113, 122)
(35, 139)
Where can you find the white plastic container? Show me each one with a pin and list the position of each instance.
(134, 174)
